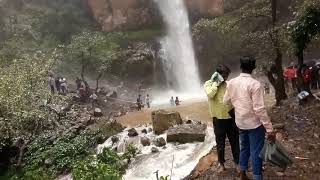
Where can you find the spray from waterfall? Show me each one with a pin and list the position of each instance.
(177, 53)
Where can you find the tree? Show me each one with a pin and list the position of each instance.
(23, 93)
(303, 30)
(275, 73)
(95, 50)
(260, 34)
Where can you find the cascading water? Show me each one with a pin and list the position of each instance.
(175, 160)
(177, 53)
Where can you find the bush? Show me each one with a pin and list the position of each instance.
(106, 165)
(45, 160)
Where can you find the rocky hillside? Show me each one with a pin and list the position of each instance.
(137, 14)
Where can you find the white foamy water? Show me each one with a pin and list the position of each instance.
(177, 51)
(184, 156)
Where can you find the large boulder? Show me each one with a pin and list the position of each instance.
(162, 120)
(140, 60)
(187, 133)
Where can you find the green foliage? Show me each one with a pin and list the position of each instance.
(95, 50)
(23, 91)
(47, 159)
(306, 27)
(110, 129)
(64, 19)
(164, 178)
(105, 165)
(142, 35)
(131, 152)
(223, 25)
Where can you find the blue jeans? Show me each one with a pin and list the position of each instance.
(251, 144)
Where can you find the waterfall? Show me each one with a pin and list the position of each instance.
(177, 51)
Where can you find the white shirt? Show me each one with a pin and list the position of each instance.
(246, 95)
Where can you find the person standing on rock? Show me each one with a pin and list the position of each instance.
(223, 121)
(246, 95)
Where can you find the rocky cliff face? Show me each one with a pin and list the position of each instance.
(137, 14)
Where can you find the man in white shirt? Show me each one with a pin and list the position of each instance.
(246, 95)
(94, 98)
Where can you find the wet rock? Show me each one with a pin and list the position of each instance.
(114, 139)
(154, 150)
(162, 120)
(115, 149)
(159, 142)
(124, 163)
(145, 141)
(132, 132)
(88, 121)
(144, 131)
(97, 112)
(187, 133)
(189, 122)
(112, 94)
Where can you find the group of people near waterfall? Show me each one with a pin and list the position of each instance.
(140, 102)
(58, 84)
(174, 102)
(238, 112)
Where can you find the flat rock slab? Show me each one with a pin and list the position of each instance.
(187, 133)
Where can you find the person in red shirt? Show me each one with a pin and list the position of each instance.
(290, 73)
(82, 93)
(306, 77)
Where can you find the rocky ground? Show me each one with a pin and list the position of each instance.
(300, 136)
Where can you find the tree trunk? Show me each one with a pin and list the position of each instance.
(97, 80)
(276, 79)
(300, 83)
(22, 149)
(83, 65)
(275, 74)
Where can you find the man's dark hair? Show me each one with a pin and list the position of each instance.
(248, 64)
(223, 69)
